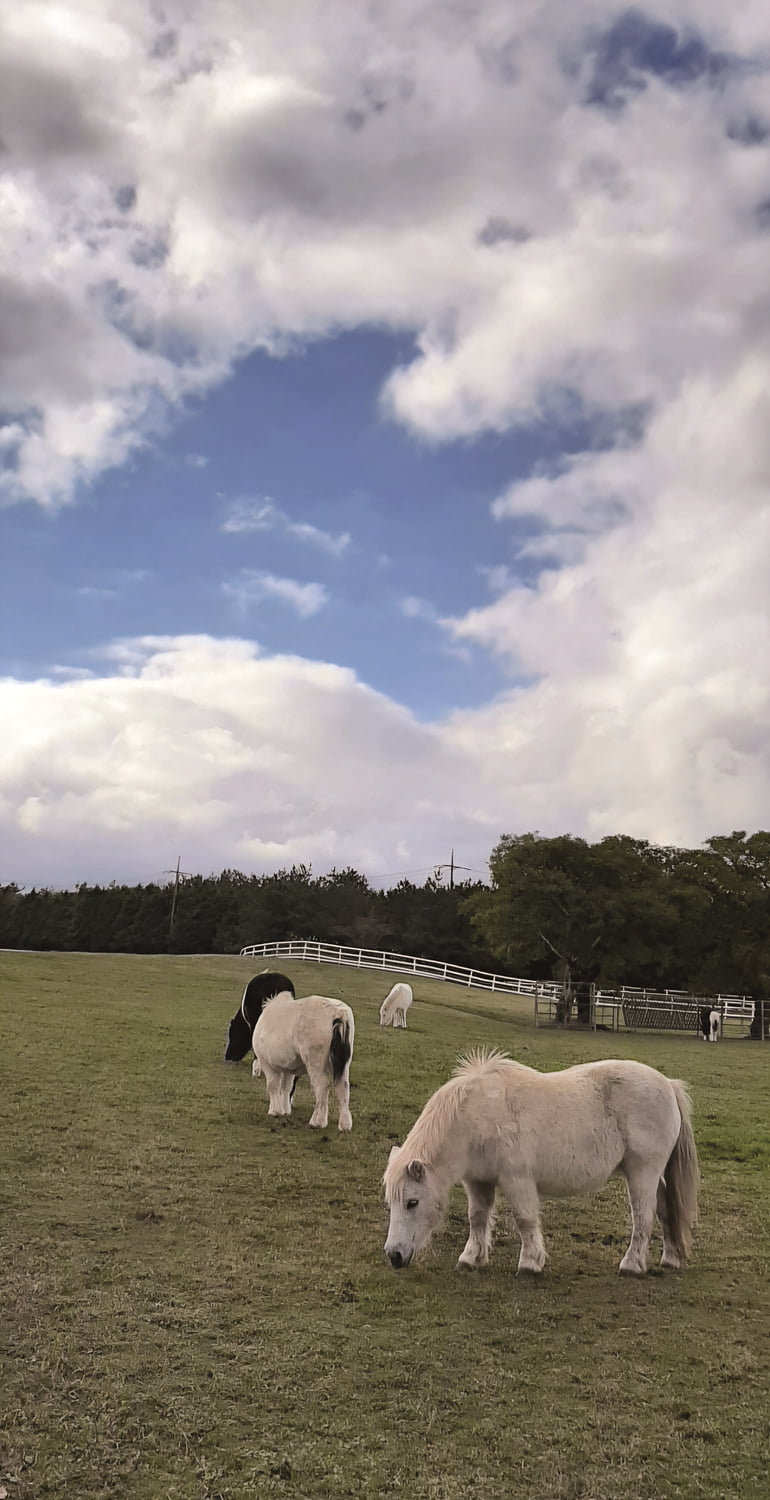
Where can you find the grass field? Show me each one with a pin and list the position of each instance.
(196, 1305)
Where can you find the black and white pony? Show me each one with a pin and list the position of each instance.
(259, 989)
(710, 1024)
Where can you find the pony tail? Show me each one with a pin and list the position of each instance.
(340, 1050)
(682, 1178)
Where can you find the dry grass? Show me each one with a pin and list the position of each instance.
(196, 1304)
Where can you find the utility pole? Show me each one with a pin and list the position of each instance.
(451, 867)
(179, 876)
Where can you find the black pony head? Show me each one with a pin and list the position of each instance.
(238, 1039)
(259, 989)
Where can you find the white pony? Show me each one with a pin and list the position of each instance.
(498, 1123)
(395, 1006)
(313, 1035)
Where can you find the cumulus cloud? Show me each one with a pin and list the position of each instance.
(254, 762)
(554, 198)
(240, 759)
(646, 704)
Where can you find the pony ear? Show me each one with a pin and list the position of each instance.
(393, 1151)
(416, 1169)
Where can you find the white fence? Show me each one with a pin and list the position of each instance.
(400, 963)
(632, 1005)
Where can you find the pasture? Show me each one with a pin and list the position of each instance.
(196, 1304)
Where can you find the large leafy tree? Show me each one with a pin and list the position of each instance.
(733, 874)
(605, 912)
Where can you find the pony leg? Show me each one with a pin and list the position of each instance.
(524, 1201)
(342, 1091)
(319, 1083)
(481, 1217)
(275, 1090)
(642, 1196)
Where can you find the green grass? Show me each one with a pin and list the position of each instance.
(196, 1305)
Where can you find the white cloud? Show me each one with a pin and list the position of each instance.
(251, 588)
(425, 167)
(238, 759)
(262, 514)
(242, 760)
(304, 532)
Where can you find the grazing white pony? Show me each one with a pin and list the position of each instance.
(395, 1006)
(313, 1035)
(498, 1123)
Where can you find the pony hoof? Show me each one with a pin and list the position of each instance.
(631, 1270)
(670, 1263)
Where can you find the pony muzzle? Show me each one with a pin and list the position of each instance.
(398, 1259)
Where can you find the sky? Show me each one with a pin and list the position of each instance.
(384, 430)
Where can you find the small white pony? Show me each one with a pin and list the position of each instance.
(395, 1006)
(498, 1123)
(313, 1035)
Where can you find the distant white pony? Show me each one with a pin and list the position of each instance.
(498, 1123)
(313, 1035)
(395, 1006)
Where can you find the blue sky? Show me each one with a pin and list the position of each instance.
(145, 552)
(383, 413)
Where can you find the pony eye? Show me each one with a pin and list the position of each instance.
(412, 1202)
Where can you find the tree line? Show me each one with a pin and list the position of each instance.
(617, 911)
(223, 913)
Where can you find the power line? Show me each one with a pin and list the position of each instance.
(451, 867)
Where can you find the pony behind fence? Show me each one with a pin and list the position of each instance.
(498, 1123)
(258, 990)
(395, 1006)
(313, 1035)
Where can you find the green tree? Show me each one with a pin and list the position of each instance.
(579, 912)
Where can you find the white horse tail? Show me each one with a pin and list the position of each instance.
(682, 1178)
(340, 1049)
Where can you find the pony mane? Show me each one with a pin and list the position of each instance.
(280, 995)
(482, 1060)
